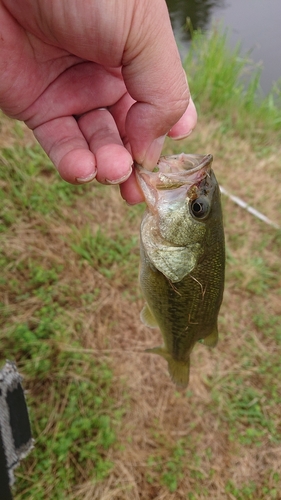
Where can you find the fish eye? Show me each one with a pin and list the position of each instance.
(200, 207)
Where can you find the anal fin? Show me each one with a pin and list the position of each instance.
(178, 370)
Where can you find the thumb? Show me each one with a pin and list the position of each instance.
(154, 77)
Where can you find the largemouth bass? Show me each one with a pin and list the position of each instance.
(182, 256)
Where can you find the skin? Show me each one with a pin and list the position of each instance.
(100, 83)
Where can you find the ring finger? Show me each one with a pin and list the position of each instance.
(114, 162)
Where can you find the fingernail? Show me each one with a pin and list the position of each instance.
(184, 127)
(89, 178)
(120, 180)
(153, 153)
(184, 136)
(133, 203)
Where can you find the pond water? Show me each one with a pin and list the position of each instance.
(254, 23)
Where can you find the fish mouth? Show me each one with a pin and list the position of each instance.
(175, 171)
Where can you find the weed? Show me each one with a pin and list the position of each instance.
(29, 188)
(268, 324)
(104, 252)
(171, 469)
(246, 492)
(69, 392)
(68, 397)
(220, 80)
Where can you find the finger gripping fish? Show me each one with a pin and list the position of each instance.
(182, 256)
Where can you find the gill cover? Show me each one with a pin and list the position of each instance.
(171, 191)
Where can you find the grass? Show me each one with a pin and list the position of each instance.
(72, 408)
(108, 254)
(107, 421)
(226, 86)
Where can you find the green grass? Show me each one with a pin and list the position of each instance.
(73, 414)
(171, 470)
(19, 167)
(225, 86)
(72, 411)
(70, 400)
(108, 254)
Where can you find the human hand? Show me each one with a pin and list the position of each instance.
(61, 61)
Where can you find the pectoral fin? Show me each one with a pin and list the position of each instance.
(212, 339)
(147, 317)
(178, 370)
(174, 262)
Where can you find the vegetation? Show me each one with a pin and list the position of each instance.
(226, 86)
(107, 421)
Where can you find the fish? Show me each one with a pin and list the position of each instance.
(182, 256)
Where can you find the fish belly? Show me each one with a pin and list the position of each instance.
(186, 311)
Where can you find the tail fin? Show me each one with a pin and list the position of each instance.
(178, 370)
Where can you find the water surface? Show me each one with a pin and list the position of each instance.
(254, 23)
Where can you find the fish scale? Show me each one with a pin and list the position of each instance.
(182, 257)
